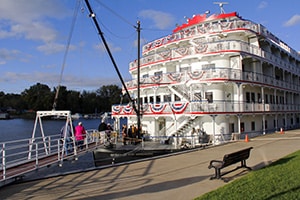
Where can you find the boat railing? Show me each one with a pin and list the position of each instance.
(24, 155)
(217, 74)
(199, 30)
(216, 47)
(205, 107)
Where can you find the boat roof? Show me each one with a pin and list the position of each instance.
(197, 19)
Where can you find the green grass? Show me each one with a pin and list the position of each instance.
(280, 180)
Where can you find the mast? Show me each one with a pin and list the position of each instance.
(138, 28)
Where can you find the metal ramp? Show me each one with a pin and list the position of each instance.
(22, 156)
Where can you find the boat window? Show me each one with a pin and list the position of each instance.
(252, 97)
(271, 98)
(209, 66)
(145, 76)
(266, 98)
(247, 97)
(151, 100)
(185, 69)
(157, 99)
(177, 98)
(167, 98)
(258, 97)
(252, 126)
(145, 100)
(209, 97)
(266, 124)
(159, 73)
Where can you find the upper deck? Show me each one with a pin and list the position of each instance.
(199, 28)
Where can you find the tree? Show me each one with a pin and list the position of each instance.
(109, 94)
(38, 97)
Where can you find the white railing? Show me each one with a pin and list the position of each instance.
(209, 74)
(203, 107)
(16, 153)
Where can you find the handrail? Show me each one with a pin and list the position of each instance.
(15, 153)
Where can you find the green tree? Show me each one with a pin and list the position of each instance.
(38, 97)
(109, 95)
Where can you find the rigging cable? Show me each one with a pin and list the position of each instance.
(93, 16)
(66, 53)
(115, 13)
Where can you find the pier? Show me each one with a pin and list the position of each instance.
(181, 176)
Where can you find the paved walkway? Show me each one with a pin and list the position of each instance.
(181, 177)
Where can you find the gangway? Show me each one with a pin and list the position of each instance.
(22, 156)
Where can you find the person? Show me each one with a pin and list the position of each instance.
(193, 134)
(80, 135)
(66, 135)
(124, 133)
(102, 126)
(108, 130)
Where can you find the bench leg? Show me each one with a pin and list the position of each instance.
(217, 174)
(243, 164)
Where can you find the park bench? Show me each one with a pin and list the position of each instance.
(230, 159)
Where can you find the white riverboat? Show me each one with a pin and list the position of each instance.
(220, 74)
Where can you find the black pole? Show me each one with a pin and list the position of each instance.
(138, 82)
(93, 16)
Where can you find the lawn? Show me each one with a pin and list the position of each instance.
(280, 180)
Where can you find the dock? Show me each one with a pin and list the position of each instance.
(181, 176)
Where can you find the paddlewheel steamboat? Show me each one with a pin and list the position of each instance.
(219, 74)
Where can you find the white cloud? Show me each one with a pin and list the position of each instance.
(293, 21)
(161, 20)
(111, 46)
(6, 55)
(29, 19)
(51, 48)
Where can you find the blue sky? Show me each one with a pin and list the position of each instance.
(34, 35)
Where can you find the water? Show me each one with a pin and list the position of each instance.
(15, 129)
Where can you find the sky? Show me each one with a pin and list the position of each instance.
(52, 42)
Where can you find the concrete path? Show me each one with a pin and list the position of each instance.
(184, 176)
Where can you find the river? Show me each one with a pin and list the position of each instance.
(15, 129)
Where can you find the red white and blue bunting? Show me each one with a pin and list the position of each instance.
(157, 108)
(116, 109)
(128, 109)
(156, 79)
(174, 76)
(179, 108)
(182, 51)
(196, 74)
(201, 48)
(165, 54)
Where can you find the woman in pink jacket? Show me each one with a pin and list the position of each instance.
(80, 135)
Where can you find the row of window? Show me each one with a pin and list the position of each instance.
(253, 127)
(251, 97)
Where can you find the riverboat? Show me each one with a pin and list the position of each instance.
(218, 73)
